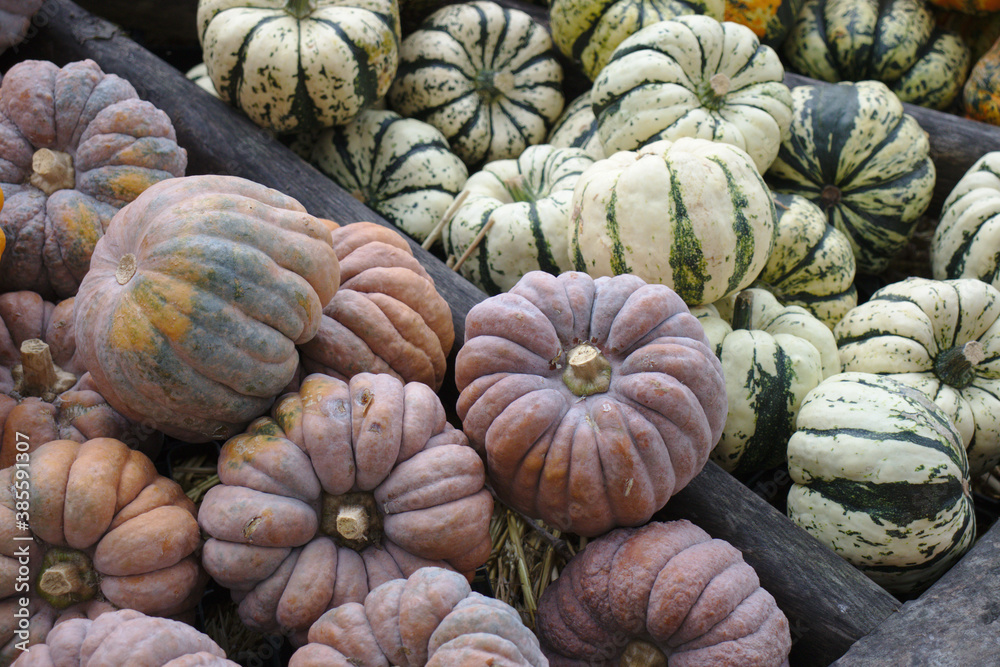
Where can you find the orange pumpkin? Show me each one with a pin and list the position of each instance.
(968, 6)
(981, 92)
(770, 20)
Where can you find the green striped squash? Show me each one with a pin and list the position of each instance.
(588, 31)
(893, 41)
(692, 214)
(199, 74)
(515, 216)
(299, 65)
(487, 76)
(772, 356)
(400, 167)
(880, 476)
(576, 127)
(967, 235)
(812, 264)
(943, 338)
(854, 152)
(694, 77)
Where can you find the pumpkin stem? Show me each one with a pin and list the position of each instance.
(66, 577)
(639, 653)
(125, 269)
(352, 520)
(956, 367)
(518, 188)
(830, 196)
(300, 9)
(52, 171)
(742, 310)
(714, 92)
(587, 371)
(37, 375)
(492, 85)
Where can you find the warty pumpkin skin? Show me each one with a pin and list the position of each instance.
(78, 145)
(432, 617)
(593, 401)
(690, 599)
(345, 486)
(386, 317)
(125, 637)
(104, 526)
(195, 300)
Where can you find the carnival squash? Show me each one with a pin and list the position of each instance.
(576, 127)
(592, 400)
(965, 239)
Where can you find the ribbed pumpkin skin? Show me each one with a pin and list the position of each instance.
(693, 77)
(302, 72)
(371, 442)
(942, 338)
(812, 263)
(400, 167)
(25, 315)
(526, 203)
(486, 76)
(584, 457)
(772, 355)
(714, 224)
(880, 475)
(387, 316)
(576, 127)
(116, 144)
(895, 42)
(15, 21)
(587, 31)
(770, 20)
(432, 617)
(980, 96)
(125, 637)
(966, 238)
(855, 153)
(671, 585)
(195, 300)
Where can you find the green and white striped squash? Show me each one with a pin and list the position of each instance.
(772, 355)
(893, 41)
(400, 167)
(300, 65)
(694, 77)
(199, 74)
(692, 214)
(515, 216)
(854, 152)
(812, 264)
(880, 476)
(967, 235)
(576, 127)
(487, 76)
(943, 338)
(588, 31)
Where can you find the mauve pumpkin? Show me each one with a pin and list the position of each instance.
(77, 144)
(195, 301)
(345, 486)
(594, 401)
(15, 21)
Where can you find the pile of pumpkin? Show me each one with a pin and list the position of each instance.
(670, 258)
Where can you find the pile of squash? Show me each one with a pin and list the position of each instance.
(670, 258)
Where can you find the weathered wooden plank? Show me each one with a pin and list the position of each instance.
(954, 623)
(830, 604)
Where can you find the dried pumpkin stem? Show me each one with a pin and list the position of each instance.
(52, 171)
(300, 9)
(66, 577)
(640, 653)
(587, 371)
(957, 367)
(352, 520)
(38, 375)
(742, 309)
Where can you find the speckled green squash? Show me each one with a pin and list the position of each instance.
(854, 152)
(300, 65)
(587, 31)
(812, 264)
(943, 338)
(772, 355)
(521, 208)
(199, 74)
(576, 127)
(486, 76)
(967, 236)
(893, 41)
(400, 167)
(694, 77)
(691, 214)
(880, 476)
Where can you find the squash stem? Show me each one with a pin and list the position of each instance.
(587, 371)
(742, 310)
(52, 171)
(956, 367)
(352, 520)
(639, 653)
(38, 374)
(66, 577)
(300, 9)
